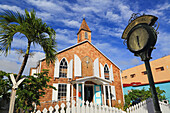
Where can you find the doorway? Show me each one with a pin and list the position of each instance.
(89, 93)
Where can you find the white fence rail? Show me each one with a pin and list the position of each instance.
(148, 107)
(80, 108)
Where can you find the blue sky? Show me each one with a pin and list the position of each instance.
(107, 20)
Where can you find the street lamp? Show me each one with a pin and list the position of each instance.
(141, 38)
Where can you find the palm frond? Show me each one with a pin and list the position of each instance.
(8, 16)
(6, 36)
(48, 46)
(34, 29)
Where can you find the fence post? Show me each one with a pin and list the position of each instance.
(51, 109)
(82, 107)
(68, 107)
(95, 107)
(99, 110)
(73, 107)
(130, 109)
(106, 108)
(45, 110)
(91, 107)
(87, 106)
(56, 108)
(102, 109)
(78, 106)
(113, 110)
(127, 110)
(62, 108)
(109, 109)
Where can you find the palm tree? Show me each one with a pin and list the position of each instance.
(33, 29)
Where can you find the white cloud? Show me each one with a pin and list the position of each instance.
(129, 62)
(66, 39)
(113, 17)
(107, 48)
(45, 16)
(46, 5)
(12, 62)
(19, 43)
(163, 42)
(71, 23)
(9, 7)
(108, 31)
(66, 36)
(9, 66)
(126, 12)
(12, 57)
(161, 10)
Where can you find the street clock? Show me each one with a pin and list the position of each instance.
(140, 35)
(140, 38)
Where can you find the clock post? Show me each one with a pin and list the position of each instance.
(141, 38)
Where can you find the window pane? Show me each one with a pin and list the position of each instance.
(86, 35)
(63, 69)
(79, 37)
(62, 91)
(106, 72)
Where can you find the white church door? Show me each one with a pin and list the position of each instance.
(98, 95)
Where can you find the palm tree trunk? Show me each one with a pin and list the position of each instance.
(13, 93)
(24, 62)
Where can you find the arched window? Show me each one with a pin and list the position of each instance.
(106, 72)
(86, 35)
(63, 68)
(79, 37)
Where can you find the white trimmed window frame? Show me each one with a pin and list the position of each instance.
(106, 72)
(62, 92)
(63, 76)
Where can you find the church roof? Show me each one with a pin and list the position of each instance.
(86, 41)
(84, 26)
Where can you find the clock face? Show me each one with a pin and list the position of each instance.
(138, 39)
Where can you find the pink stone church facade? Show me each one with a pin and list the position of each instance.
(83, 72)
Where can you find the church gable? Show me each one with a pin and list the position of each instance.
(86, 61)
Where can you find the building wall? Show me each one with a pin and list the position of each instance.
(83, 50)
(160, 70)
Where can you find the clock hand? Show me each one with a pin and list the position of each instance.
(138, 40)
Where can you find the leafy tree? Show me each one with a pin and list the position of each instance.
(28, 92)
(31, 90)
(136, 96)
(5, 86)
(33, 29)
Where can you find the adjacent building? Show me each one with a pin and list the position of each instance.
(136, 77)
(83, 72)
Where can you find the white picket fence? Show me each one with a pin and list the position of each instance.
(80, 108)
(148, 107)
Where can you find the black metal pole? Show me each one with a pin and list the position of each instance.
(152, 86)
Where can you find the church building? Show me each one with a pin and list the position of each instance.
(83, 72)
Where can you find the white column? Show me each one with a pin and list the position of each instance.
(104, 94)
(77, 88)
(72, 96)
(83, 92)
(109, 94)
